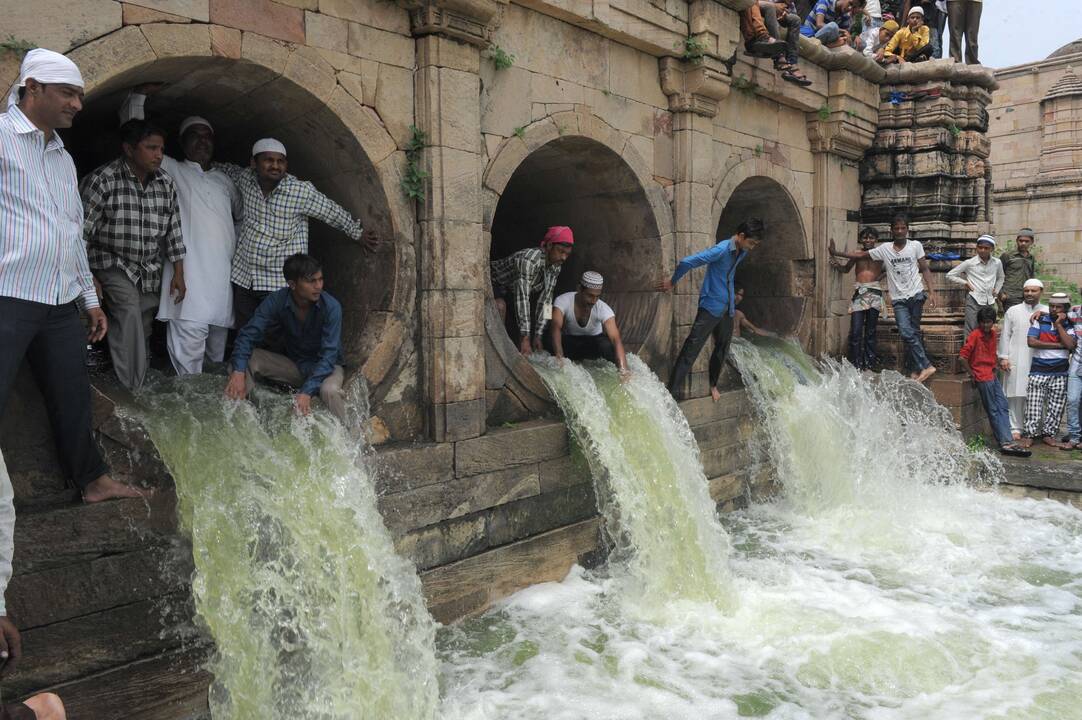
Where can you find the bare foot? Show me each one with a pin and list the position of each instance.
(715, 393)
(1016, 435)
(913, 376)
(926, 373)
(106, 488)
(1026, 442)
(1050, 441)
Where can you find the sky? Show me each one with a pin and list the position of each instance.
(1022, 31)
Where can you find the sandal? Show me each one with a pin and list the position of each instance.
(1014, 450)
(792, 74)
(766, 47)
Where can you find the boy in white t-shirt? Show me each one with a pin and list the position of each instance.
(907, 274)
(583, 326)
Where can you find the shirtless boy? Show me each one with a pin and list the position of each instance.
(867, 302)
(740, 320)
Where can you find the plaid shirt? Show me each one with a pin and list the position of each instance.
(276, 226)
(525, 272)
(129, 226)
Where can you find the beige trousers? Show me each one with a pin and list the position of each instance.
(131, 316)
(278, 368)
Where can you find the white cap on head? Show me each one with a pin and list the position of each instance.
(592, 280)
(193, 120)
(1033, 282)
(916, 9)
(986, 239)
(1059, 298)
(46, 67)
(268, 145)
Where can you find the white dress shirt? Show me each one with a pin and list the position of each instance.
(985, 278)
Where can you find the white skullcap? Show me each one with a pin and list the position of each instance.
(1033, 282)
(986, 239)
(916, 9)
(268, 145)
(592, 280)
(45, 66)
(193, 120)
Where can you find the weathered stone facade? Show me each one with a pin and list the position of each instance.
(1035, 129)
(601, 123)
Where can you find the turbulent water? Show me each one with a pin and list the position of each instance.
(885, 581)
(296, 579)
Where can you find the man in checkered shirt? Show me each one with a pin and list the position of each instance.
(132, 219)
(277, 206)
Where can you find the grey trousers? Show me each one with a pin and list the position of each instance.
(964, 17)
(279, 368)
(131, 317)
(972, 306)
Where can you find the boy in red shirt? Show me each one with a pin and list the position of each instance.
(978, 356)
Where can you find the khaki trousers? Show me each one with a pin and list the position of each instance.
(131, 316)
(965, 19)
(278, 368)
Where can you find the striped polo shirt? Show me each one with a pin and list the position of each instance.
(42, 254)
(1048, 361)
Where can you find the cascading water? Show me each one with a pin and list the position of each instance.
(883, 582)
(312, 613)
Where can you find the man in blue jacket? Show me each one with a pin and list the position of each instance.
(310, 321)
(716, 301)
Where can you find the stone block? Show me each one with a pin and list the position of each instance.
(60, 25)
(225, 42)
(453, 256)
(431, 504)
(260, 16)
(394, 101)
(445, 52)
(111, 55)
(323, 31)
(383, 15)
(457, 366)
(363, 122)
(452, 313)
(727, 487)
(704, 410)
(717, 434)
(307, 68)
(172, 40)
(454, 189)
(382, 46)
(507, 160)
(505, 101)
(271, 54)
(524, 444)
(453, 422)
(136, 15)
(444, 543)
(302, 4)
(198, 10)
(541, 513)
(564, 472)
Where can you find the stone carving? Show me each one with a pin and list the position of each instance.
(471, 21)
(695, 87)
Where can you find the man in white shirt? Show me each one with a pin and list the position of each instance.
(905, 266)
(583, 326)
(1015, 354)
(982, 276)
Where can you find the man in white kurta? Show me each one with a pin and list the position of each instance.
(210, 208)
(1015, 354)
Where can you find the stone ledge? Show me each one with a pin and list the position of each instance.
(526, 443)
(408, 467)
(941, 70)
(1045, 474)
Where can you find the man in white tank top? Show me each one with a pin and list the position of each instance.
(583, 326)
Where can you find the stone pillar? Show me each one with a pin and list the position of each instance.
(694, 90)
(839, 134)
(450, 36)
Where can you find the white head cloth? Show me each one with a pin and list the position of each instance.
(986, 239)
(917, 9)
(193, 120)
(1033, 282)
(592, 280)
(45, 66)
(268, 145)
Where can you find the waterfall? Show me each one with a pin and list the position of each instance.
(312, 613)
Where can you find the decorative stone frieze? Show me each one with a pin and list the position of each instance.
(695, 87)
(471, 21)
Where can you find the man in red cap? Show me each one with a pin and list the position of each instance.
(528, 272)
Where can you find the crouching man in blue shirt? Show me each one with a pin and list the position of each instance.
(310, 321)
(717, 302)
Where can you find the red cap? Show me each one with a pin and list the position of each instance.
(558, 234)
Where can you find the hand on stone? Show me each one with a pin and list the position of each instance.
(664, 286)
(235, 389)
(302, 403)
(369, 240)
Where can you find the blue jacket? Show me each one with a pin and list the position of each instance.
(315, 347)
(717, 294)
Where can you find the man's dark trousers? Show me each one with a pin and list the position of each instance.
(584, 347)
(705, 326)
(52, 338)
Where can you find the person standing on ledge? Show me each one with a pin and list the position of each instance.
(44, 269)
(584, 326)
(905, 265)
(866, 304)
(526, 272)
(1052, 337)
(310, 321)
(1015, 354)
(717, 302)
(1019, 265)
(277, 206)
(982, 276)
(978, 357)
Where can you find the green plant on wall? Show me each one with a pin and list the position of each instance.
(16, 46)
(745, 86)
(499, 57)
(520, 133)
(824, 112)
(954, 130)
(692, 50)
(413, 183)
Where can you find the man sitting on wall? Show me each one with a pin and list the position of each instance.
(310, 322)
(527, 272)
(584, 326)
(829, 21)
(910, 44)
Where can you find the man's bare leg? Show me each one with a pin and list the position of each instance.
(715, 393)
(926, 373)
(106, 488)
(46, 706)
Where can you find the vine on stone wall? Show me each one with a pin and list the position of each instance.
(17, 46)
(499, 57)
(693, 50)
(413, 184)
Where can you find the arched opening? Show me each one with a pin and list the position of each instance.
(245, 101)
(779, 276)
(582, 183)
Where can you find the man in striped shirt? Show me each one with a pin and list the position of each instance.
(43, 265)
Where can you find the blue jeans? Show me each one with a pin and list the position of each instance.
(995, 405)
(907, 317)
(862, 327)
(828, 33)
(1074, 407)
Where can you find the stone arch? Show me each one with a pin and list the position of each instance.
(250, 86)
(779, 277)
(623, 224)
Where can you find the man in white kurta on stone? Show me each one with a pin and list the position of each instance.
(1015, 354)
(210, 209)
